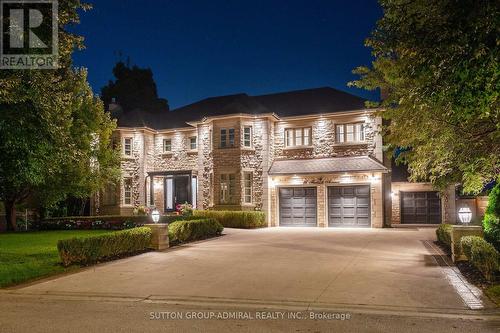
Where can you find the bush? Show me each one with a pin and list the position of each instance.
(481, 255)
(190, 230)
(443, 233)
(105, 222)
(88, 250)
(491, 221)
(235, 219)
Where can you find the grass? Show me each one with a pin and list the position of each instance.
(31, 255)
(493, 293)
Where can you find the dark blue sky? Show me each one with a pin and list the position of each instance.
(198, 49)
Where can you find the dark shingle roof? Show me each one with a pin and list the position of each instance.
(293, 103)
(326, 165)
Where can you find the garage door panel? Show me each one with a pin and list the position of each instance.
(297, 206)
(349, 206)
(420, 208)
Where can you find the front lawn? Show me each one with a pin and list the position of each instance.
(25, 256)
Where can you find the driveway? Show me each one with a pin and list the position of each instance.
(391, 269)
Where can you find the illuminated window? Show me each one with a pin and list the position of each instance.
(127, 191)
(247, 136)
(127, 146)
(192, 143)
(350, 133)
(227, 188)
(247, 187)
(297, 137)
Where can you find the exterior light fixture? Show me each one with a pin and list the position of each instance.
(393, 194)
(155, 215)
(465, 215)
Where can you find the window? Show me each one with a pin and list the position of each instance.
(127, 191)
(109, 195)
(167, 145)
(127, 146)
(247, 136)
(192, 143)
(211, 138)
(226, 137)
(350, 133)
(247, 187)
(296, 137)
(227, 188)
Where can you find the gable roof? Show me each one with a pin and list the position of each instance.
(285, 104)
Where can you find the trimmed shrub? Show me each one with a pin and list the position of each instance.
(106, 222)
(191, 230)
(481, 255)
(88, 250)
(235, 219)
(491, 220)
(443, 233)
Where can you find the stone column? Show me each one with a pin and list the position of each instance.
(159, 239)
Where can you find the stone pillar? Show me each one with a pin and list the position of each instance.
(159, 239)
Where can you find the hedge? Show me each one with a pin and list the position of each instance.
(443, 233)
(106, 222)
(481, 255)
(88, 250)
(235, 219)
(190, 230)
(491, 221)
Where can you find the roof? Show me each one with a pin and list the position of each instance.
(326, 165)
(285, 104)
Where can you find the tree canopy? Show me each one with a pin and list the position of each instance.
(133, 88)
(54, 133)
(437, 64)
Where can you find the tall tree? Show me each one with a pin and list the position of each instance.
(437, 62)
(133, 88)
(54, 133)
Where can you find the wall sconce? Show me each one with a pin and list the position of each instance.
(465, 215)
(155, 215)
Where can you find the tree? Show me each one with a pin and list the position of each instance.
(133, 88)
(437, 63)
(54, 134)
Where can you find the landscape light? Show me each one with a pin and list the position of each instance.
(155, 215)
(465, 215)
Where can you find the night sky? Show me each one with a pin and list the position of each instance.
(198, 49)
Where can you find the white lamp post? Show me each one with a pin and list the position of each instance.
(465, 215)
(155, 214)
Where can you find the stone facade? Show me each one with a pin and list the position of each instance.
(209, 160)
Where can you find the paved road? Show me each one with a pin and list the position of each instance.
(386, 280)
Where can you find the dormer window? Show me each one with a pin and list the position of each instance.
(346, 133)
(298, 137)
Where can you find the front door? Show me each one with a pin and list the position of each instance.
(177, 191)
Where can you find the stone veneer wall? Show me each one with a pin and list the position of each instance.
(321, 182)
(448, 211)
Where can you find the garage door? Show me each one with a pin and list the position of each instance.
(420, 208)
(349, 206)
(297, 206)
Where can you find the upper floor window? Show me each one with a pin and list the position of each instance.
(247, 136)
(192, 143)
(247, 187)
(127, 146)
(167, 145)
(296, 137)
(127, 191)
(227, 188)
(350, 133)
(226, 137)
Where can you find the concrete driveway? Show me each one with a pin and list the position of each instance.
(375, 268)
